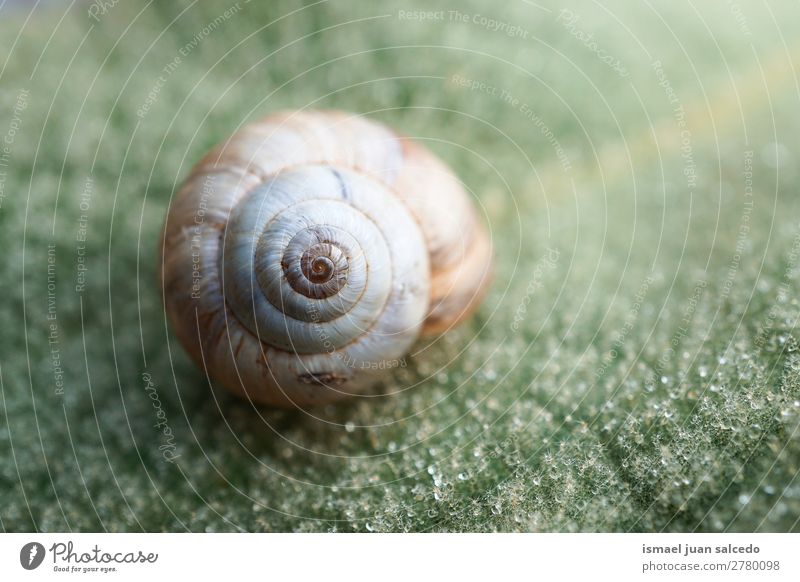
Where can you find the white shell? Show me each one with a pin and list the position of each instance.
(310, 250)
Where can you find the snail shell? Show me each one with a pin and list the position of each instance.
(309, 251)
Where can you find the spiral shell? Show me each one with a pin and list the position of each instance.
(309, 251)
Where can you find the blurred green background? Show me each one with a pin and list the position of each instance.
(634, 368)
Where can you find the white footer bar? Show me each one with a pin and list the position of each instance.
(331, 557)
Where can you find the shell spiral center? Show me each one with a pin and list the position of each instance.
(320, 271)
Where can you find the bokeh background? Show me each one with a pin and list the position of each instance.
(634, 368)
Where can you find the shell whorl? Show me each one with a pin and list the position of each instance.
(312, 248)
(320, 246)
